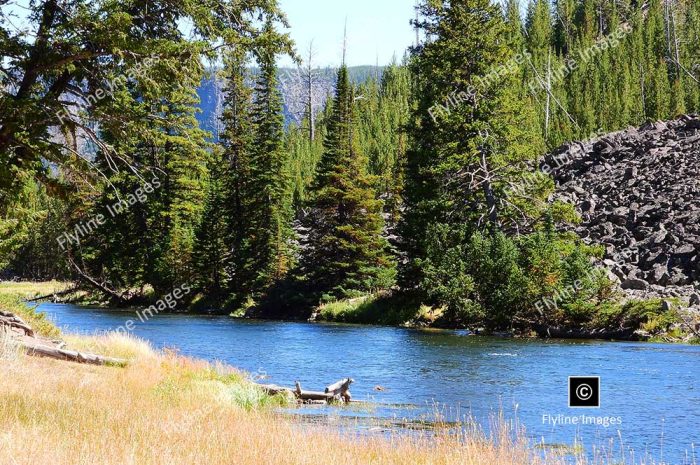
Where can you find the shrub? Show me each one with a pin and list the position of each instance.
(501, 282)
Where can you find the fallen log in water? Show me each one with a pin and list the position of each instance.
(341, 389)
(336, 391)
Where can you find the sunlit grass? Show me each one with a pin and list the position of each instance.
(41, 325)
(384, 308)
(12, 299)
(117, 345)
(31, 290)
(163, 409)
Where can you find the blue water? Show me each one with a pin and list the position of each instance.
(654, 389)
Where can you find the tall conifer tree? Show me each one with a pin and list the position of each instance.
(346, 252)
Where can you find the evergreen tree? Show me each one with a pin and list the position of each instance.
(462, 159)
(690, 54)
(237, 142)
(266, 250)
(211, 249)
(346, 252)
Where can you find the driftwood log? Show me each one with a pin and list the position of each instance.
(334, 392)
(12, 321)
(23, 336)
(39, 350)
(341, 389)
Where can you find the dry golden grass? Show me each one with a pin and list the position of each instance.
(117, 345)
(165, 409)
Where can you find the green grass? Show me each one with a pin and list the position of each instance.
(30, 289)
(390, 309)
(643, 314)
(14, 303)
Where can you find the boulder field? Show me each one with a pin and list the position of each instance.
(638, 193)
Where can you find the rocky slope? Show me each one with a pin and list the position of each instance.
(292, 87)
(638, 192)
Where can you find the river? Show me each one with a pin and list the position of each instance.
(653, 389)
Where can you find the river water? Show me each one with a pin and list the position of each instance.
(653, 389)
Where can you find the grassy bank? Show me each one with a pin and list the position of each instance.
(13, 294)
(163, 409)
(651, 319)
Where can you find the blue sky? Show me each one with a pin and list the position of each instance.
(376, 29)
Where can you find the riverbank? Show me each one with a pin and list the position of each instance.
(162, 408)
(650, 319)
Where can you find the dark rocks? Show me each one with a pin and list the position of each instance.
(636, 284)
(638, 191)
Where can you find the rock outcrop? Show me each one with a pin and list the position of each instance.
(638, 193)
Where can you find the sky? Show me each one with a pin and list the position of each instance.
(377, 29)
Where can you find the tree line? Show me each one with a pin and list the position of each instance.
(369, 193)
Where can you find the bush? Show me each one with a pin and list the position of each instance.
(505, 283)
(446, 274)
(646, 314)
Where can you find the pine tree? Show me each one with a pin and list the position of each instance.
(211, 251)
(266, 250)
(461, 160)
(690, 54)
(237, 142)
(346, 252)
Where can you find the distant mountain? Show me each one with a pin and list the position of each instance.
(292, 86)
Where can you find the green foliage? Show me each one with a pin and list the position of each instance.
(386, 308)
(645, 314)
(501, 282)
(439, 154)
(382, 114)
(211, 251)
(610, 64)
(78, 63)
(465, 157)
(345, 251)
(28, 234)
(267, 249)
(447, 278)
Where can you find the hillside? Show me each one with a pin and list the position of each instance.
(292, 85)
(638, 192)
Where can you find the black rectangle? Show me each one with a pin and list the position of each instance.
(584, 391)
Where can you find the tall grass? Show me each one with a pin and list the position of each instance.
(14, 303)
(31, 289)
(8, 349)
(166, 409)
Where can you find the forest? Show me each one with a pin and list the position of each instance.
(419, 186)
